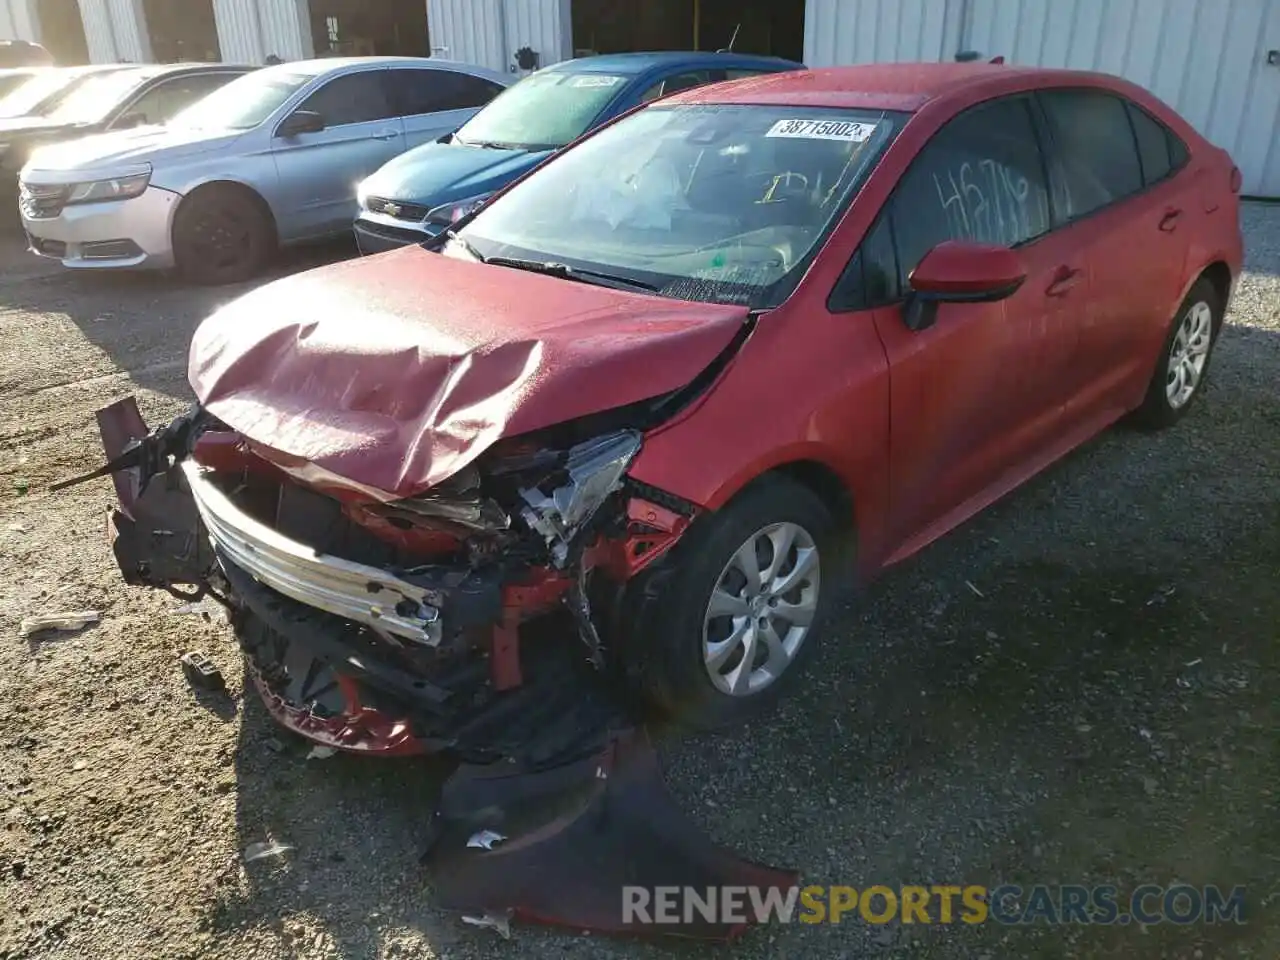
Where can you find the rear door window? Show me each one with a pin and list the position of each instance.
(1097, 162)
(676, 83)
(1161, 150)
(432, 91)
(981, 178)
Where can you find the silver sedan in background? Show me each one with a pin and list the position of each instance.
(272, 158)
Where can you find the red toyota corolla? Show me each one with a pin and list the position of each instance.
(679, 384)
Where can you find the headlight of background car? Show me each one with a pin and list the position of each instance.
(455, 211)
(117, 188)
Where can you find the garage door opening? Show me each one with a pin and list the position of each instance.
(360, 28)
(182, 31)
(774, 27)
(62, 31)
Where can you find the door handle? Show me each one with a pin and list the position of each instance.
(1063, 280)
(386, 134)
(1169, 222)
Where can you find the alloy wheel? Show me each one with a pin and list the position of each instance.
(761, 609)
(1188, 355)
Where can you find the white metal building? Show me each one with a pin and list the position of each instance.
(1216, 61)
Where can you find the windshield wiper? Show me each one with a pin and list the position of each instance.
(465, 244)
(554, 269)
(486, 144)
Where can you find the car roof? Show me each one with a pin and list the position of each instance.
(630, 64)
(197, 67)
(321, 65)
(885, 86)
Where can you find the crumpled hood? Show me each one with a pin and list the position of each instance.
(436, 173)
(391, 373)
(150, 144)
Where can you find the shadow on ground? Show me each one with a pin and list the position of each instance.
(143, 321)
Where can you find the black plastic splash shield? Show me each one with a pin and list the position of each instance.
(573, 837)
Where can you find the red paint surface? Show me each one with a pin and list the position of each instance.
(394, 372)
(962, 268)
(925, 428)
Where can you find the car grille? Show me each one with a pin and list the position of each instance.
(401, 211)
(42, 201)
(401, 235)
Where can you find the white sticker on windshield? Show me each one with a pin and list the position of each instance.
(847, 130)
(590, 80)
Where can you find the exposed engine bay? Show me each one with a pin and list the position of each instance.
(482, 619)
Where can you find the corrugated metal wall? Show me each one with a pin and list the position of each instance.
(488, 32)
(1206, 58)
(865, 31)
(115, 30)
(251, 30)
(18, 20)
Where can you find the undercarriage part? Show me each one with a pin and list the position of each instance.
(201, 672)
(457, 504)
(574, 837)
(305, 656)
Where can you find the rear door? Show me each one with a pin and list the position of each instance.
(972, 409)
(433, 102)
(318, 172)
(1115, 181)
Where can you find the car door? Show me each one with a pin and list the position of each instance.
(318, 172)
(1132, 222)
(434, 102)
(168, 97)
(971, 408)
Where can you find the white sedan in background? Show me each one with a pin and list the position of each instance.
(272, 158)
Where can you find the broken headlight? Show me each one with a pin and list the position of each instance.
(560, 507)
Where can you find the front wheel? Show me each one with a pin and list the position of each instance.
(1184, 359)
(744, 604)
(221, 235)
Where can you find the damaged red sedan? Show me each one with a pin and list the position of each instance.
(676, 385)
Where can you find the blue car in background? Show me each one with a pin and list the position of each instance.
(420, 193)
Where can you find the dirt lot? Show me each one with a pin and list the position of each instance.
(1081, 686)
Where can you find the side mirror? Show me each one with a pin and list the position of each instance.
(301, 121)
(131, 120)
(960, 272)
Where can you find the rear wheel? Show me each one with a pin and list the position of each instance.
(221, 235)
(1184, 359)
(744, 602)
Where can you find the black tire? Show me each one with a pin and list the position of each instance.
(665, 656)
(1157, 410)
(222, 235)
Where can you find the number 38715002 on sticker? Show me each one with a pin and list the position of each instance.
(848, 130)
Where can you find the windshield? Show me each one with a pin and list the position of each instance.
(32, 94)
(97, 95)
(701, 202)
(244, 102)
(543, 111)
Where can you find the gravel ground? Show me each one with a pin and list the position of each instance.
(1082, 685)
